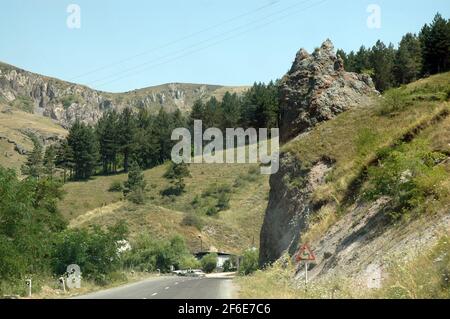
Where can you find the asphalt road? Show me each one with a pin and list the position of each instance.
(169, 288)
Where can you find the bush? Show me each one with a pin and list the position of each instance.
(136, 196)
(212, 211)
(228, 266)
(192, 219)
(249, 262)
(394, 101)
(189, 262)
(409, 176)
(148, 254)
(95, 251)
(216, 198)
(209, 263)
(116, 186)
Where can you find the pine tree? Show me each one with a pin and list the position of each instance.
(127, 128)
(135, 185)
(108, 138)
(176, 173)
(33, 167)
(83, 144)
(49, 161)
(435, 40)
(163, 131)
(231, 111)
(64, 158)
(408, 59)
(382, 62)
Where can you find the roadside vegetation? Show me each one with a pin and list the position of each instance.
(424, 276)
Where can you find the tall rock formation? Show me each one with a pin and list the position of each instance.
(316, 89)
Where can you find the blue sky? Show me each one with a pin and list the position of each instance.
(124, 45)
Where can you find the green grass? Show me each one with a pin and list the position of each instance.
(233, 229)
(353, 139)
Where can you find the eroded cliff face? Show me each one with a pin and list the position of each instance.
(65, 102)
(290, 206)
(316, 89)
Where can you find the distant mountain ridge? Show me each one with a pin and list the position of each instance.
(64, 101)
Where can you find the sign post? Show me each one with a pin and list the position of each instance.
(306, 255)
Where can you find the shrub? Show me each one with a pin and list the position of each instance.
(189, 262)
(394, 101)
(216, 198)
(192, 219)
(408, 175)
(223, 201)
(136, 196)
(228, 266)
(95, 251)
(116, 186)
(249, 262)
(212, 211)
(209, 263)
(148, 254)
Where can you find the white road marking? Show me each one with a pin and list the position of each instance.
(176, 282)
(166, 288)
(154, 294)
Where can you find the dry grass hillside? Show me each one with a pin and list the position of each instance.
(385, 202)
(234, 229)
(14, 125)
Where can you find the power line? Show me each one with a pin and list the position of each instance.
(168, 44)
(139, 66)
(205, 47)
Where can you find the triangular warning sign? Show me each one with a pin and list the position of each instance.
(305, 254)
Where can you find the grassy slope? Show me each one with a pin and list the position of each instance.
(11, 124)
(346, 141)
(232, 230)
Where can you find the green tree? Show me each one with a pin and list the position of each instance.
(127, 128)
(435, 40)
(28, 221)
(135, 185)
(49, 161)
(83, 144)
(107, 131)
(408, 59)
(176, 173)
(94, 250)
(33, 167)
(209, 262)
(249, 262)
(231, 111)
(382, 62)
(64, 158)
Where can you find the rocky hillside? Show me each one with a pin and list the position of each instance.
(357, 185)
(316, 89)
(64, 101)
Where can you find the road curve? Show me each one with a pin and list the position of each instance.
(169, 288)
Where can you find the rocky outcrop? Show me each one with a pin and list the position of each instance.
(65, 102)
(317, 88)
(290, 205)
